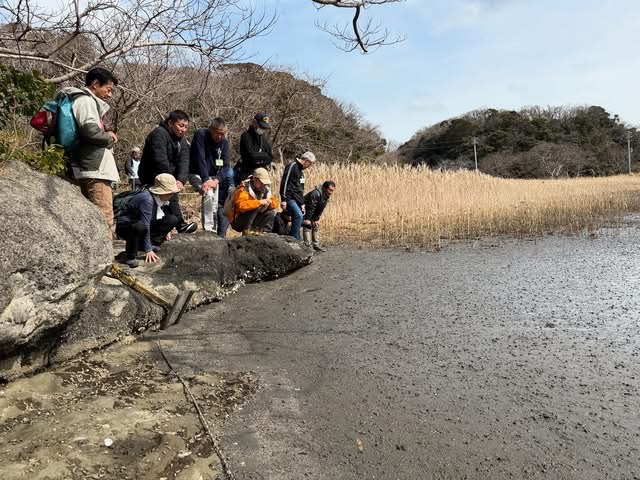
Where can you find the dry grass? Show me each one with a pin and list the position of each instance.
(397, 206)
(390, 206)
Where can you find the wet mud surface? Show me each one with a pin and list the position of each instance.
(514, 360)
(117, 415)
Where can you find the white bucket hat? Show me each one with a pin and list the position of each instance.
(164, 183)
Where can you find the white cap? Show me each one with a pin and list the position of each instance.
(308, 156)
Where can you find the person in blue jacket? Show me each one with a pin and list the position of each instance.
(145, 223)
(210, 169)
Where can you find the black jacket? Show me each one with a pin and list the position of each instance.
(164, 153)
(314, 203)
(292, 185)
(255, 150)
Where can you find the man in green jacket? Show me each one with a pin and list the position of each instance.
(92, 160)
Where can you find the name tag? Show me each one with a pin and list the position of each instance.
(219, 162)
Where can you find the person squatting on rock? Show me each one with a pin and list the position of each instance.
(166, 151)
(131, 168)
(255, 148)
(254, 207)
(314, 204)
(145, 223)
(292, 190)
(210, 172)
(92, 162)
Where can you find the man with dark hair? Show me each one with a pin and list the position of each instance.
(166, 151)
(254, 207)
(314, 203)
(210, 169)
(292, 190)
(93, 165)
(255, 148)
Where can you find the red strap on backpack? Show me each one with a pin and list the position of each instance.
(40, 121)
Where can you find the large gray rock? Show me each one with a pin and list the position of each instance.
(55, 300)
(54, 246)
(210, 266)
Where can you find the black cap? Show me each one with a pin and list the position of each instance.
(263, 120)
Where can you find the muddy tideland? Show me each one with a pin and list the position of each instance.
(517, 359)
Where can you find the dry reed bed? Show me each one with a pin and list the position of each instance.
(387, 205)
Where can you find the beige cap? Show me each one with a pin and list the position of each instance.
(262, 175)
(308, 156)
(164, 183)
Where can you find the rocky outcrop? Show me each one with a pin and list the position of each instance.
(211, 267)
(53, 248)
(55, 299)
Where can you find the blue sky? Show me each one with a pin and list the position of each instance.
(460, 55)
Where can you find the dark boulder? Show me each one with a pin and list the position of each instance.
(206, 264)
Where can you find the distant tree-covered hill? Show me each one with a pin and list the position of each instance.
(531, 143)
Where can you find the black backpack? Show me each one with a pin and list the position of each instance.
(121, 203)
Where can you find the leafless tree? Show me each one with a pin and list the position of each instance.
(79, 36)
(357, 35)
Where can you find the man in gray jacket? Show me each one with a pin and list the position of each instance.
(92, 161)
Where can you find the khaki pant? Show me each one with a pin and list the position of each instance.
(99, 193)
(310, 235)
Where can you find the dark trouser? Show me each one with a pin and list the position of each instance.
(255, 219)
(133, 233)
(134, 184)
(174, 209)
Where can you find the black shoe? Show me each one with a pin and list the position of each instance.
(318, 248)
(187, 228)
(132, 263)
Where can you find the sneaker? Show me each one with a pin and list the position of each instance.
(318, 248)
(246, 232)
(132, 263)
(257, 232)
(187, 228)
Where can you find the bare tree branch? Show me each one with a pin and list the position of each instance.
(67, 42)
(357, 35)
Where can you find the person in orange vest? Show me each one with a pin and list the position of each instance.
(254, 207)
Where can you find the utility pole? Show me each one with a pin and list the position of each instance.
(475, 151)
(629, 149)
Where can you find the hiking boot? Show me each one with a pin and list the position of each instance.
(187, 228)
(132, 263)
(318, 248)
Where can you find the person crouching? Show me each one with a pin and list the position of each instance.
(144, 223)
(254, 207)
(315, 202)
